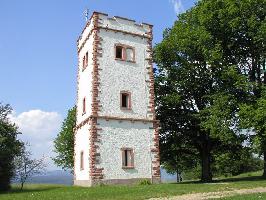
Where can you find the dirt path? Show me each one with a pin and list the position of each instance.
(214, 195)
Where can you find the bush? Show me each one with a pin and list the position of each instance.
(145, 182)
(9, 147)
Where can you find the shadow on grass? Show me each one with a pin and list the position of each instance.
(226, 180)
(249, 178)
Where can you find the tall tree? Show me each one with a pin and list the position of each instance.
(64, 142)
(9, 147)
(241, 30)
(201, 62)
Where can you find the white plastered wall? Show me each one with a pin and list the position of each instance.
(82, 144)
(84, 90)
(116, 135)
(116, 75)
(85, 81)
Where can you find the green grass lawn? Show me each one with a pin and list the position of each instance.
(60, 192)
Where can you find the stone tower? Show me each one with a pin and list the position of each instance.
(116, 136)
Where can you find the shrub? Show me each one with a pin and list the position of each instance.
(145, 182)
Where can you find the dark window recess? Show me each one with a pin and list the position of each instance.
(119, 52)
(125, 100)
(85, 61)
(127, 158)
(84, 105)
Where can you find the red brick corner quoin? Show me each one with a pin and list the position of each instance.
(96, 174)
(155, 150)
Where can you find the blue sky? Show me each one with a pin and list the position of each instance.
(38, 57)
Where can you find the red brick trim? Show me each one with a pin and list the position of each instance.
(155, 150)
(156, 153)
(95, 172)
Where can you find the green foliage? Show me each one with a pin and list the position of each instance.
(253, 117)
(9, 147)
(207, 63)
(192, 174)
(145, 182)
(235, 163)
(64, 142)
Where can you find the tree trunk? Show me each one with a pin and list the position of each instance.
(4, 182)
(21, 186)
(177, 176)
(264, 167)
(206, 175)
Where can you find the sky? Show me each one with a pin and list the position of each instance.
(38, 57)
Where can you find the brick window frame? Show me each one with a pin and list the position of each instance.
(81, 160)
(128, 94)
(84, 106)
(127, 158)
(85, 61)
(124, 52)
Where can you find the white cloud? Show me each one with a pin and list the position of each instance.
(178, 6)
(39, 128)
